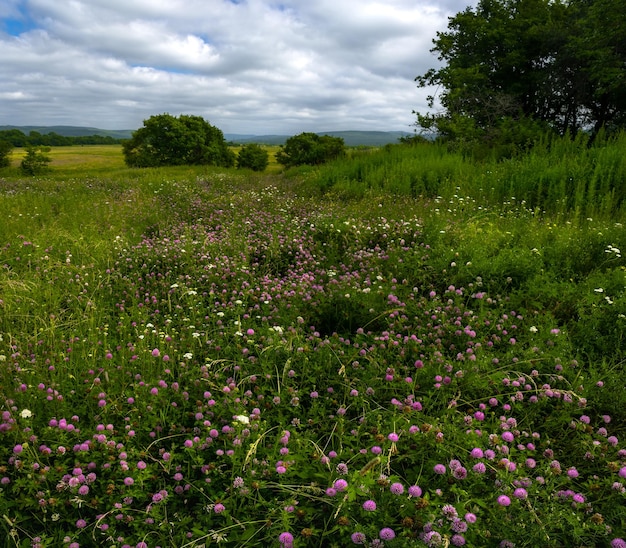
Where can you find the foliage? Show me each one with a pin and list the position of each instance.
(34, 138)
(194, 356)
(253, 156)
(310, 149)
(535, 62)
(36, 160)
(558, 176)
(5, 153)
(169, 140)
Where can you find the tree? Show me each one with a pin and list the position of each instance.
(5, 153)
(15, 137)
(599, 44)
(311, 149)
(253, 156)
(168, 140)
(544, 63)
(36, 160)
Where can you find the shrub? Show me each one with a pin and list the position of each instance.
(5, 153)
(253, 156)
(311, 149)
(36, 160)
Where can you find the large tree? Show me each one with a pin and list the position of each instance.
(169, 140)
(528, 63)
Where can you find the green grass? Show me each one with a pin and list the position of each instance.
(561, 176)
(251, 357)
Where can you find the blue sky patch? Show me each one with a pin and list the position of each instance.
(16, 26)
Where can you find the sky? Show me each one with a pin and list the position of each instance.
(247, 66)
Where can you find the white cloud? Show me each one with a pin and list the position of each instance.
(252, 66)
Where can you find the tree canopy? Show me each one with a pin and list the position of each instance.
(253, 156)
(529, 64)
(185, 140)
(310, 148)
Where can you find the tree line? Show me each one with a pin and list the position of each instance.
(18, 138)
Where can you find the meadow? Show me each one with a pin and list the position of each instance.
(406, 347)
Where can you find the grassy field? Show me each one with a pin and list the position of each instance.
(102, 159)
(401, 348)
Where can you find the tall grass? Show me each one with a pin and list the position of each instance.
(420, 170)
(558, 176)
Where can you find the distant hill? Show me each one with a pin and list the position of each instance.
(351, 138)
(73, 131)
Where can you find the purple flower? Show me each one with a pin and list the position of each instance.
(503, 500)
(458, 525)
(286, 539)
(219, 508)
(81, 524)
(386, 533)
(622, 472)
(432, 538)
(457, 540)
(396, 488)
(358, 538)
(508, 436)
(449, 511)
(439, 469)
(341, 485)
(520, 493)
(460, 472)
(415, 491)
(479, 468)
(393, 437)
(369, 506)
(618, 543)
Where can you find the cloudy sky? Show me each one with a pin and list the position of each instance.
(247, 66)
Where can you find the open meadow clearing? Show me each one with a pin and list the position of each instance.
(405, 348)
